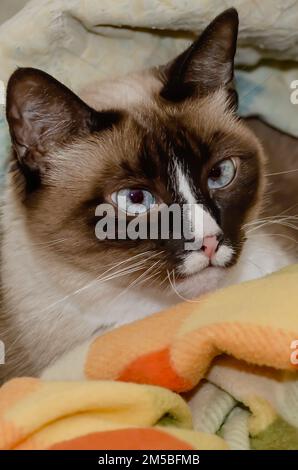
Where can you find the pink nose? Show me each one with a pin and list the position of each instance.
(210, 245)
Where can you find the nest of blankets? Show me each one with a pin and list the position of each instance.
(225, 364)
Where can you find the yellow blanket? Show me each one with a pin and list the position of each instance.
(232, 355)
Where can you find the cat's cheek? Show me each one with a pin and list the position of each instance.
(223, 256)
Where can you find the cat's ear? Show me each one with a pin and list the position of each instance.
(43, 114)
(207, 64)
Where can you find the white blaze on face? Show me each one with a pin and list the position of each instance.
(201, 222)
(202, 225)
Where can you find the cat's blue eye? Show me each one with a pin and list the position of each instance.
(222, 174)
(133, 201)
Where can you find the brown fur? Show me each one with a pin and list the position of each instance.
(281, 198)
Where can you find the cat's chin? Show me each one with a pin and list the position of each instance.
(196, 284)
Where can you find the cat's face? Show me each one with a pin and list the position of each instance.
(169, 135)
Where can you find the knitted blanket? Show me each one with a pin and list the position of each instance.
(215, 373)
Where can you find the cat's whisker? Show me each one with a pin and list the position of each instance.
(289, 208)
(282, 172)
(269, 223)
(90, 284)
(126, 269)
(273, 222)
(287, 224)
(292, 226)
(273, 235)
(102, 278)
(163, 281)
(116, 265)
(273, 217)
(152, 278)
(173, 285)
(147, 278)
(50, 243)
(136, 281)
(121, 273)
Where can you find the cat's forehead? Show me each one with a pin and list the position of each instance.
(152, 130)
(139, 95)
(124, 93)
(207, 120)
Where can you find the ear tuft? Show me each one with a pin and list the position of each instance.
(207, 64)
(43, 114)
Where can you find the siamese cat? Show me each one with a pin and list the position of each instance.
(166, 135)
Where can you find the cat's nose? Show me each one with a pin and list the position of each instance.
(210, 245)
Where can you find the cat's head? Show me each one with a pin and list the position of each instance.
(168, 135)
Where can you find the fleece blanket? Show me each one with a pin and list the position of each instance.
(79, 41)
(219, 372)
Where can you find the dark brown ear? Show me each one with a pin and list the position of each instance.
(207, 64)
(43, 114)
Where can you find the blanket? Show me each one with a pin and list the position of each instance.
(219, 372)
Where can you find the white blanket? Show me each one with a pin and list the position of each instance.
(78, 41)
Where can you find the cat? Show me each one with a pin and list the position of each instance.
(169, 134)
